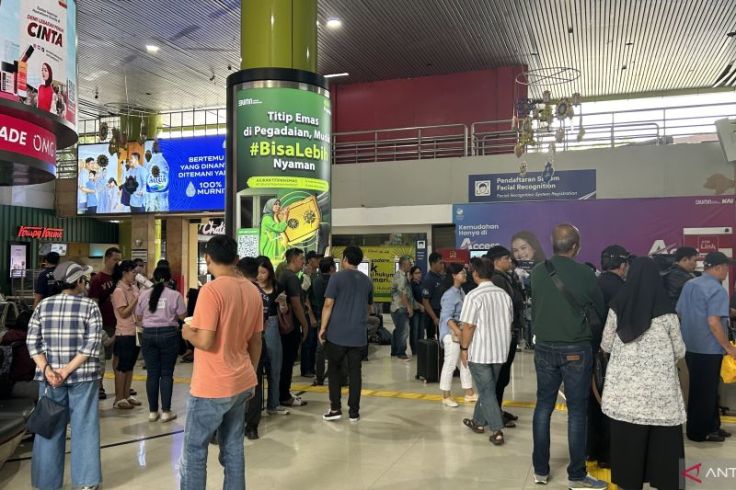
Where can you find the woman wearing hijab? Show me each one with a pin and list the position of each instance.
(642, 393)
(273, 225)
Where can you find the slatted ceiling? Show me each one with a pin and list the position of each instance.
(678, 44)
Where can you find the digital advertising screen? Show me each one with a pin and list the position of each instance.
(38, 61)
(184, 175)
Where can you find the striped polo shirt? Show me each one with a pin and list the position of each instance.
(489, 308)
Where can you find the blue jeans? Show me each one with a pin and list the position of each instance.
(47, 465)
(160, 348)
(401, 332)
(226, 416)
(275, 356)
(573, 365)
(417, 331)
(487, 412)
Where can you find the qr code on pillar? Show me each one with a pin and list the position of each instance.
(248, 246)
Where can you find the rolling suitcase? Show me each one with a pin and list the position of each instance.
(428, 360)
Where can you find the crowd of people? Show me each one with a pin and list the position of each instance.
(253, 321)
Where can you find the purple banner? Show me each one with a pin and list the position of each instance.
(643, 226)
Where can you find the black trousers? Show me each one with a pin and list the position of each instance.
(290, 347)
(599, 433)
(504, 377)
(254, 407)
(337, 356)
(702, 401)
(429, 324)
(646, 453)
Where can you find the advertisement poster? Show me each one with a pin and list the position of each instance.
(18, 259)
(383, 262)
(38, 55)
(282, 148)
(642, 226)
(560, 185)
(172, 175)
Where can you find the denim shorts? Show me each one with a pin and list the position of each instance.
(127, 352)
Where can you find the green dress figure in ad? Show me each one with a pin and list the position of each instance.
(273, 241)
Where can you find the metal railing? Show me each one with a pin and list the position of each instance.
(656, 126)
(412, 143)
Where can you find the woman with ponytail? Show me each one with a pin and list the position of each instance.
(159, 309)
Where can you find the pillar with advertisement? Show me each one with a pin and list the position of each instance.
(279, 134)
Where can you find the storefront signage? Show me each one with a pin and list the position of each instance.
(25, 138)
(561, 185)
(41, 232)
(282, 137)
(180, 175)
(39, 57)
(211, 228)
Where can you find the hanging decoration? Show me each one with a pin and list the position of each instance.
(103, 131)
(546, 120)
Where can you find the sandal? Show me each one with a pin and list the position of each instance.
(474, 426)
(122, 404)
(497, 438)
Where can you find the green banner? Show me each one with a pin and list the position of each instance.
(282, 147)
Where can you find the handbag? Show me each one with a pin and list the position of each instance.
(600, 358)
(48, 416)
(286, 321)
(728, 369)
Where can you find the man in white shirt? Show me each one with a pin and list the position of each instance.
(486, 318)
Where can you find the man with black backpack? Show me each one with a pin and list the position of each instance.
(566, 305)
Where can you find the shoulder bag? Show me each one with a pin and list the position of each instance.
(600, 358)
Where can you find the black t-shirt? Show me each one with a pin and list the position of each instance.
(432, 291)
(610, 284)
(317, 292)
(46, 284)
(273, 306)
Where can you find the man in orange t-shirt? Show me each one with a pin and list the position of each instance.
(226, 333)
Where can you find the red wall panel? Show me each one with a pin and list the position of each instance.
(426, 101)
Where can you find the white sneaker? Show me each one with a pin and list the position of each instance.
(168, 416)
(134, 401)
(449, 402)
(541, 479)
(471, 398)
(153, 416)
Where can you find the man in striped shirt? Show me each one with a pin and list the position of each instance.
(486, 318)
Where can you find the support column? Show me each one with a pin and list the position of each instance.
(177, 250)
(279, 34)
(143, 236)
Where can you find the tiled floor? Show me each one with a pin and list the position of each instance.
(404, 440)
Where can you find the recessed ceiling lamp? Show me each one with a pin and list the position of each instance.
(337, 75)
(151, 48)
(334, 23)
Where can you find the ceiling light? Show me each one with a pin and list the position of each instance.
(151, 48)
(334, 23)
(337, 75)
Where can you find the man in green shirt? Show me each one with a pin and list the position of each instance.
(563, 353)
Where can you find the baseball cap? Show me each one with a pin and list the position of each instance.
(714, 259)
(497, 252)
(71, 272)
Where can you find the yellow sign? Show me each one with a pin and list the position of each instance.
(383, 266)
(277, 182)
(302, 220)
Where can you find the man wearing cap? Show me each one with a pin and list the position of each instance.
(45, 283)
(703, 310)
(502, 277)
(64, 341)
(615, 265)
(686, 261)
